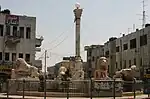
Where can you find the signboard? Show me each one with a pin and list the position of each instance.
(108, 86)
(5, 68)
(12, 20)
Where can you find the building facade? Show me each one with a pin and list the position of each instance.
(93, 53)
(18, 39)
(131, 49)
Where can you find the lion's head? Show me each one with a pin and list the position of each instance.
(19, 62)
(102, 63)
(62, 70)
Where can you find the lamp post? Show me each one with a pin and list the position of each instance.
(77, 13)
(45, 75)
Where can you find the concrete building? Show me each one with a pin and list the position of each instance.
(18, 38)
(131, 49)
(93, 53)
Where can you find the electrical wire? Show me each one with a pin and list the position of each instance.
(41, 56)
(59, 36)
(59, 43)
(56, 38)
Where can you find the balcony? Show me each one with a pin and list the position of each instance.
(38, 42)
(37, 49)
(11, 40)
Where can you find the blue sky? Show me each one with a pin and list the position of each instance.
(101, 19)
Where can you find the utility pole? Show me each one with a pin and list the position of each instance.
(45, 75)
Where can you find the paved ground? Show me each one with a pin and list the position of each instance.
(28, 97)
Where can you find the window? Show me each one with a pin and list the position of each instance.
(129, 63)
(21, 31)
(20, 55)
(28, 32)
(143, 40)
(121, 64)
(125, 46)
(7, 30)
(134, 61)
(1, 30)
(133, 43)
(1, 56)
(141, 62)
(27, 58)
(124, 66)
(117, 49)
(14, 31)
(7, 56)
(13, 56)
(93, 58)
(116, 65)
(107, 53)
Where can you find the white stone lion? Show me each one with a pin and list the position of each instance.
(127, 73)
(101, 69)
(23, 66)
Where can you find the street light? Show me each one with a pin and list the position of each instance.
(77, 5)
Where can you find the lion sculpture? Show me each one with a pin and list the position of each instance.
(21, 66)
(101, 69)
(127, 74)
(73, 71)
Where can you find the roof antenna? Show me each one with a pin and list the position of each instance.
(0, 8)
(144, 18)
(143, 14)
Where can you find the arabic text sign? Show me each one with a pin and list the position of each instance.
(108, 85)
(12, 20)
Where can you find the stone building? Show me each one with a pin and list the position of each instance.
(18, 39)
(131, 49)
(93, 53)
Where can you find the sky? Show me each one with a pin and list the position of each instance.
(101, 19)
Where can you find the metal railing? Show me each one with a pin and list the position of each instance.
(82, 88)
